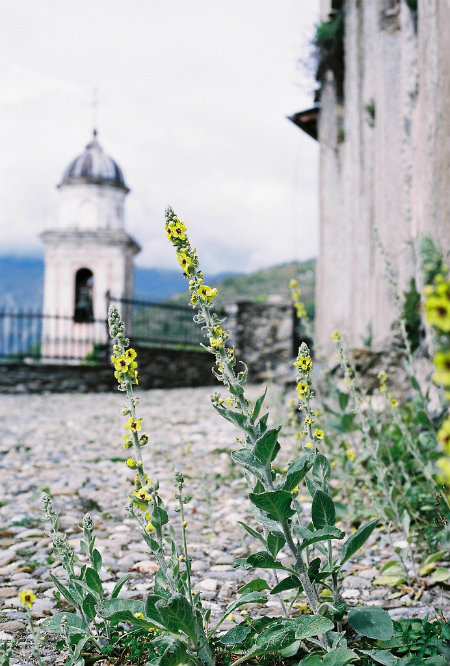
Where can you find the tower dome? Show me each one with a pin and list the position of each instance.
(94, 166)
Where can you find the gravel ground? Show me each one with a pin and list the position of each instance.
(68, 444)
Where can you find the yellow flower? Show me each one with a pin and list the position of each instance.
(133, 424)
(27, 597)
(351, 455)
(294, 491)
(442, 363)
(444, 435)
(139, 616)
(130, 354)
(176, 230)
(293, 284)
(438, 312)
(302, 389)
(308, 445)
(308, 420)
(382, 376)
(142, 495)
(216, 342)
(444, 466)
(303, 363)
(394, 402)
(207, 293)
(319, 433)
(131, 463)
(121, 364)
(149, 527)
(185, 261)
(336, 336)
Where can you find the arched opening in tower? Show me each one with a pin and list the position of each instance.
(84, 286)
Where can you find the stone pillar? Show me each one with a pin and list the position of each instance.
(263, 334)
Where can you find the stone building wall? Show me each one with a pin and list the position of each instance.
(391, 172)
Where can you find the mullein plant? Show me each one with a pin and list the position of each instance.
(314, 567)
(396, 452)
(437, 311)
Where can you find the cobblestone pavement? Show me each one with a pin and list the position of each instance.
(70, 445)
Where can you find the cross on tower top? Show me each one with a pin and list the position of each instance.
(95, 109)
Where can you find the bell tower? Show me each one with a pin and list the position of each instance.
(88, 254)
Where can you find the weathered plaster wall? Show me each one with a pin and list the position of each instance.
(391, 172)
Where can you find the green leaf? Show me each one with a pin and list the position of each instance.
(297, 471)
(119, 585)
(356, 540)
(123, 610)
(63, 590)
(343, 400)
(255, 585)
(251, 598)
(237, 418)
(391, 580)
(177, 615)
(371, 621)
(263, 560)
(267, 447)
(324, 534)
(161, 587)
(314, 567)
(245, 458)
(321, 470)
(383, 657)
(322, 510)
(306, 626)
(159, 517)
(236, 635)
(89, 606)
(75, 624)
(151, 611)
(272, 639)
(275, 543)
(336, 608)
(435, 557)
(96, 560)
(93, 582)
(440, 575)
(288, 583)
(174, 652)
(276, 503)
(258, 405)
(252, 532)
(339, 657)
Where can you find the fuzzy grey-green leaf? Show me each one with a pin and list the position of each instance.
(371, 621)
(323, 512)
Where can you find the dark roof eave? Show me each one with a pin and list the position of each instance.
(307, 121)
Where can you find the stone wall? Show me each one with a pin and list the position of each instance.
(385, 162)
(158, 368)
(263, 334)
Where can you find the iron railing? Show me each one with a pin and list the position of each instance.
(159, 324)
(33, 336)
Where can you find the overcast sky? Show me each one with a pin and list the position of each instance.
(193, 99)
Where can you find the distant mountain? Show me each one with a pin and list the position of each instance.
(22, 283)
(262, 284)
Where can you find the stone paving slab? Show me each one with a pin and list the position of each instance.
(68, 444)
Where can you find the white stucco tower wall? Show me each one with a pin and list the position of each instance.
(87, 255)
